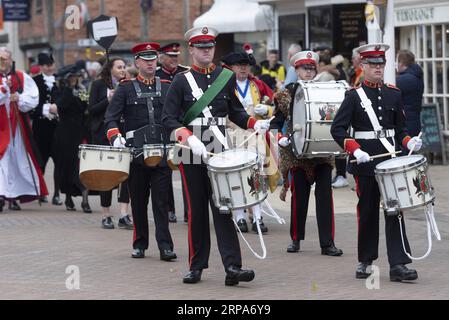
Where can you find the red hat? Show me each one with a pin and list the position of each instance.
(171, 49)
(202, 37)
(373, 52)
(305, 57)
(146, 50)
(34, 70)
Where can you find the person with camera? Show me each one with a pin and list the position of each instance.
(69, 134)
(20, 175)
(139, 101)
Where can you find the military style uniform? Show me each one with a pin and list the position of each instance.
(140, 102)
(194, 171)
(387, 105)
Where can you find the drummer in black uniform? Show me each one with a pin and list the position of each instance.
(168, 58)
(374, 110)
(140, 102)
(195, 124)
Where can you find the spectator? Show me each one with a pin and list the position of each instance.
(291, 73)
(337, 61)
(355, 73)
(410, 81)
(326, 71)
(273, 67)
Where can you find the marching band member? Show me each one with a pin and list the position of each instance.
(206, 118)
(20, 175)
(304, 171)
(254, 96)
(372, 105)
(140, 102)
(168, 58)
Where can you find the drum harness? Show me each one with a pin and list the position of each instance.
(149, 96)
(381, 134)
(197, 92)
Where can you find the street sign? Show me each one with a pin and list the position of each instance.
(16, 10)
(87, 42)
(104, 30)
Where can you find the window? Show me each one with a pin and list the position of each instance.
(38, 6)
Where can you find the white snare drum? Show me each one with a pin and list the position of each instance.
(314, 109)
(236, 179)
(153, 154)
(102, 168)
(404, 183)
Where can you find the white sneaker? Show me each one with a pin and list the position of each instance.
(340, 182)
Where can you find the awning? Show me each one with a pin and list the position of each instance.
(229, 16)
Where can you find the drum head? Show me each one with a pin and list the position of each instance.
(299, 120)
(399, 162)
(232, 159)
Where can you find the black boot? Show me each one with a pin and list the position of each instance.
(85, 203)
(235, 274)
(2, 204)
(360, 272)
(193, 276)
(69, 205)
(332, 251)
(400, 273)
(56, 200)
(294, 246)
(13, 205)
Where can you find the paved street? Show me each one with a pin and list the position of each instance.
(38, 243)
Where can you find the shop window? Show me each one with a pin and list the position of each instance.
(438, 41)
(428, 42)
(428, 79)
(291, 30)
(38, 6)
(439, 75)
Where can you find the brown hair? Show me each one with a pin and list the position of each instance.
(105, 73)
(406, 57)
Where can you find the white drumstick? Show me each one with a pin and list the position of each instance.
(209, 153)
(413, 148)
(379, 155)
(251, 135)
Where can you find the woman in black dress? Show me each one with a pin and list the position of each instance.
(101, 93)
(69, 134)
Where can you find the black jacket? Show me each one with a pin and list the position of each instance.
(98, 103)
(351, 113)
(162, 73)
(45, 96)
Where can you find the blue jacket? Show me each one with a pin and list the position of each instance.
(411, 83)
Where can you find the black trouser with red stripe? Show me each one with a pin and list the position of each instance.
(368, 225)
(324, 204)
(171, 197)
(143, 180)
(199, 196)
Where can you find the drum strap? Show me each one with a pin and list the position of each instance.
(203, 99)
(149, 96)
(367, 106)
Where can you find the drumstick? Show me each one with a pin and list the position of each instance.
(209, 153)
(252, 134)
(379, 156)
(413, 148)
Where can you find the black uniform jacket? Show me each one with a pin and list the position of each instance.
(387, 104)
(163, 73)
(180, 99)
(45, 96)
(98, 103)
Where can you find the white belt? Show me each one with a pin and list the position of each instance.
(216, 121)
(374, 134)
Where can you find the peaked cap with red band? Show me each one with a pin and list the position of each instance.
(146, 50)
(202, 37)
(305, 57)
(171, 49)
(373, 52)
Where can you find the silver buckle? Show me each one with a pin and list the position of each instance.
(381, 134)
(211, 121)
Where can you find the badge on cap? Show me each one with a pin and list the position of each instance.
(204, 30)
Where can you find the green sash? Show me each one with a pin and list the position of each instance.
(207, 96)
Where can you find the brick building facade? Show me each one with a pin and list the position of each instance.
(46, 29)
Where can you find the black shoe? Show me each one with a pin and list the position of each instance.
(13, 205)
(294, 246)
(168, 255)
(2, 204)
(125, 223)
(331, 251)
(56, 201)
(360, 272)
(86, 208)
(44, 199)
(263, 228)
(69, 205)
(193, 276)
(172, 217)
(235, 274)
(243, 226)
(107, 223)
(138, 253)
(400, 273)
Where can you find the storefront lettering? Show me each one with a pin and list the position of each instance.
(414, 15)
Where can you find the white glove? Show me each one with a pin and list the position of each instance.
(284, 142)
(361, 156)
(414, 141)
(262, 125)
(198, 148)
(261, 109)
(119, 142)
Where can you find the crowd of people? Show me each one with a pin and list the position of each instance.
(116, 102)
